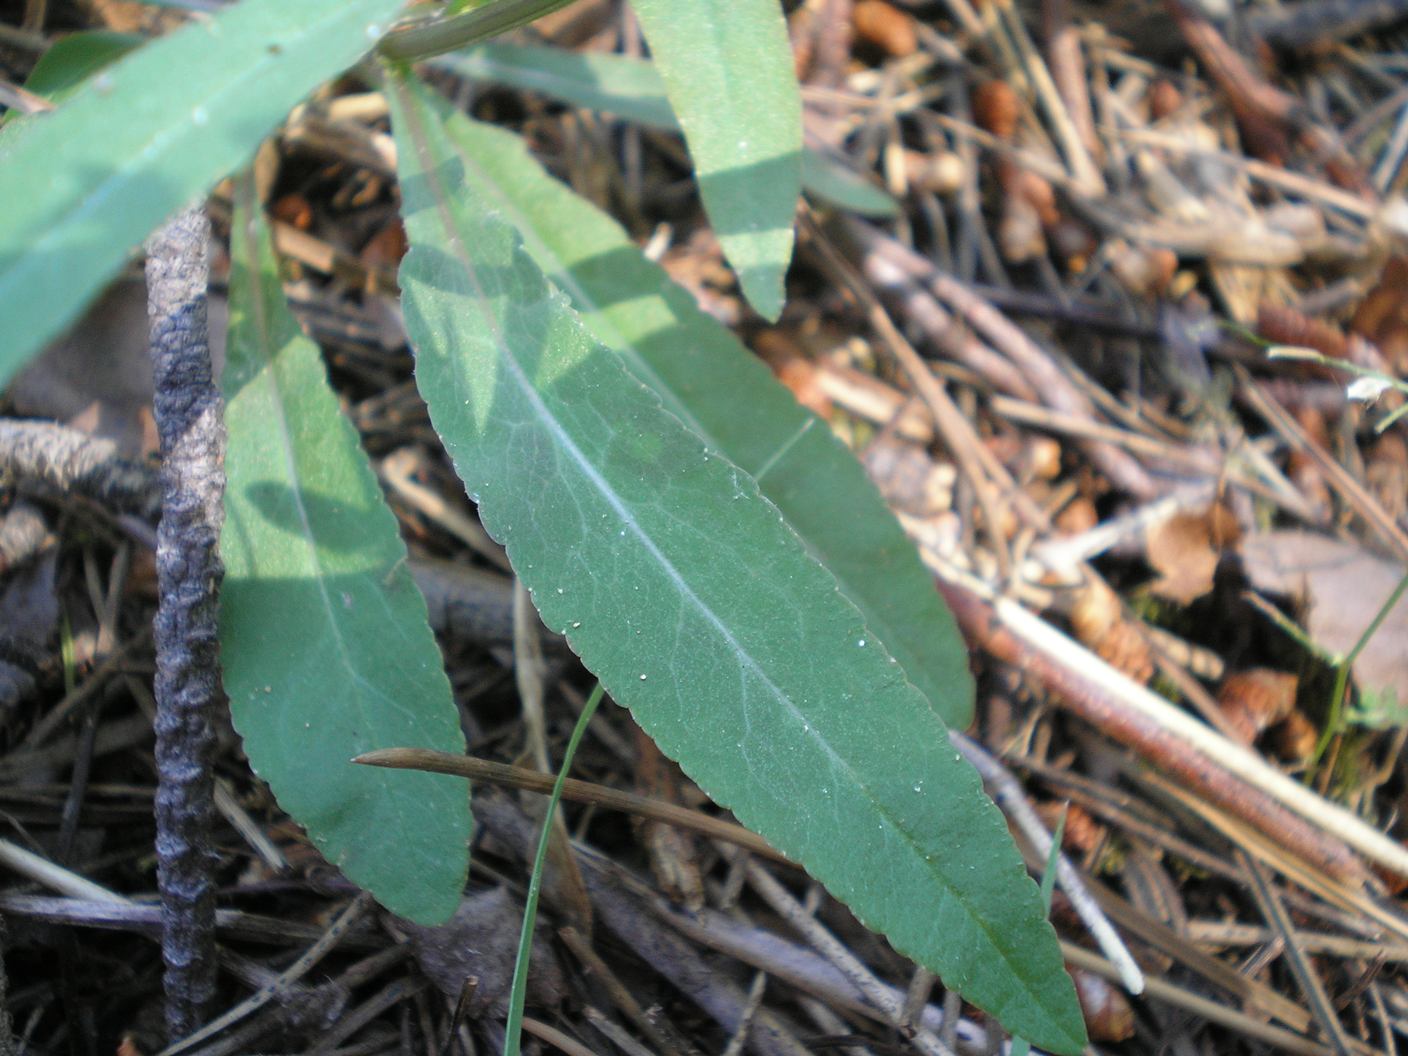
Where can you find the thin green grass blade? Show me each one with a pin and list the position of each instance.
(1048, 878)
(80, 187)
(684, 590)
(519, 991)
(1021, 1046)
(717, 388)
(727, 68)
(324, 640)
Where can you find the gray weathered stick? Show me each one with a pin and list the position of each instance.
(65, 459)
(188, 419)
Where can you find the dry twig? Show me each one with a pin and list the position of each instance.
(188, 417)
(1225, 772)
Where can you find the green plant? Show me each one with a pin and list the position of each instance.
(1377, 708)
(1368, 384)
(1021, 1046)
(535, 880)
(708, 548)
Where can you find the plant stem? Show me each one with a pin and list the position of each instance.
(188, 419)
(450, 34)
(535, 882)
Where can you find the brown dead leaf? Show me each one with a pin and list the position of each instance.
(1108, 1016)
(1294, 739)
(1257, 698)
(1082, 833)
(1287, 326)
(698, 265)
(1094, 611)
(1040, 459)
(1344, 587)
(1164, 99)
(886, 27)
(1387, 474)
(1078, 516)
(1144, 271)
(1184, 550)
(1302, 469)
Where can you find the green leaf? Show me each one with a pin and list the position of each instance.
(617, 84)
(717, 388)
(325, 645)
(835, 182)
(684, 590)
(75, 58)
(631, 89)
(81, 186)
(1021, 1046)
(727, 67)
(1379, 709)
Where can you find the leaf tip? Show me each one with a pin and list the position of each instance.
(1069, 1043)
(763, 288)
(1060, 1030)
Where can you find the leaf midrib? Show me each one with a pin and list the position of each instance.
(430, 173)
(563, 274)
(584, 464)
(264, 330)
(574, 289)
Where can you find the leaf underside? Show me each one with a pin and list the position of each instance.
(324, 640)
(684, 590)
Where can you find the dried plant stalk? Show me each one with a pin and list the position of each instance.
(188, 418)
(1223, 772)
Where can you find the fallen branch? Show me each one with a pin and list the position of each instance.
(62, 459)
(1040, 371)
(187, 408)
(1221, 771)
